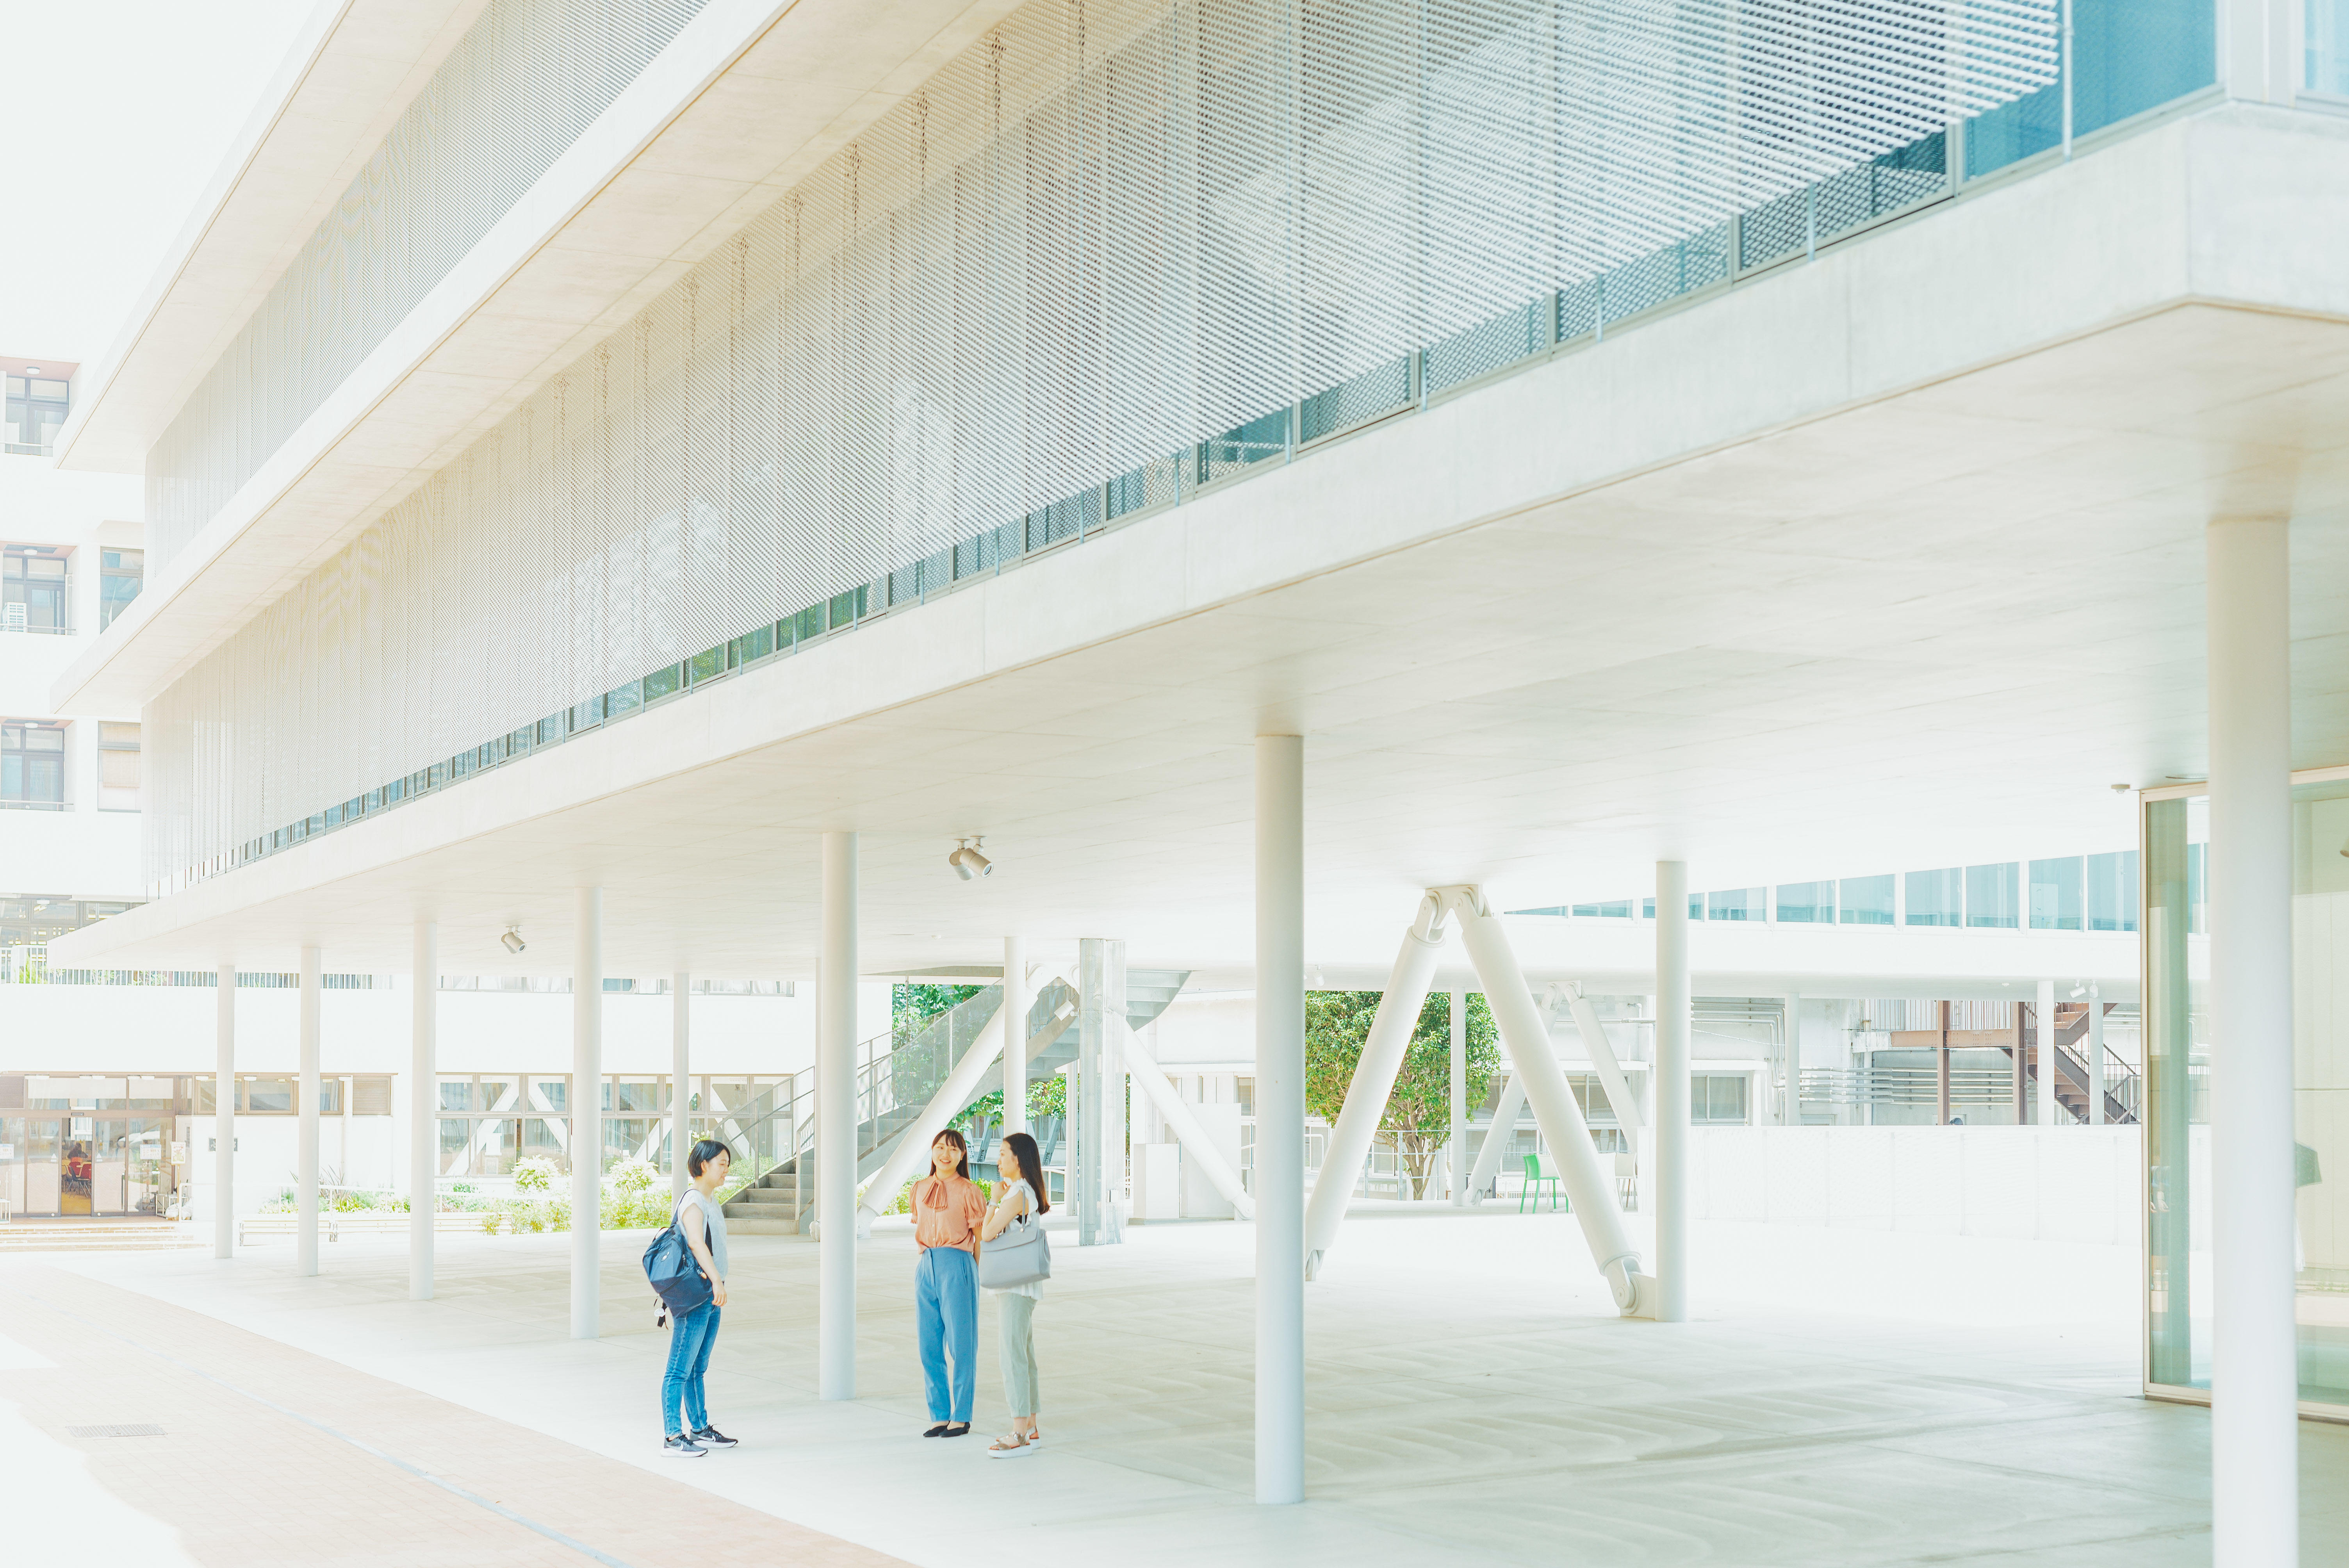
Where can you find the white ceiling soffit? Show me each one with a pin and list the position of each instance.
(743, 105)
(349, 74)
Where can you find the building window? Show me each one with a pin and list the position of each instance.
(1616, 908)
(1806, 903)
(35, 589)
(2112, 892)
(1717, 1100)
(121, 575)
(36, 407)
(32, 765)
(1738, 903)
(1865, 901)
(2056, 894)
(1937, 898)
(1993, 897)
(118, 767)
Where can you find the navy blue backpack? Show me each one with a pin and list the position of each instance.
(674, 1273)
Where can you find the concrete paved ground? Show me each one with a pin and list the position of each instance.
(1843, 1397)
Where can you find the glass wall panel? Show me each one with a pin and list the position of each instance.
(1806, 903)
(2135, 55)
(1937, 898)
(2177, 1146)
(1738, 903)
(2056, 894)
(2112, 892)
(2320, 930)
(1994, 897)
(1865, 901)
(1619, 909)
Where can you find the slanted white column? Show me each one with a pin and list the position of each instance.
(1790, 1111)
(2254, 1421)
(1457, 1149)
(1279, 1118)
(680, 1081)
(587, 1115)
(1504, 1127)
(1017, 1000)
(2097, 1090)
(835, 1124)
(224, 1113)
(2050, 1109)
(423, 1103)
(1671, 1092)
(305, 1131)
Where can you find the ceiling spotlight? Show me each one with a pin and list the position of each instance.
(2079, 990)
(512, 939)
(2120, 789)
(967, 862)
(32, 370)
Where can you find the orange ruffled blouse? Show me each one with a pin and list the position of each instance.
(947, 1212)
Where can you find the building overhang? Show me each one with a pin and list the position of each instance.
(747, 100)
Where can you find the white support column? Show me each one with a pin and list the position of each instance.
(1279, 1118)
(423, 1102)
(1504, 1127)
(1197, 1147)
(1017, 999)
(1601, 1051)
(835, 1124)
(1672, 1091)
(2050, 1109)
(1457, 1150)
(1100, 1086)
(1349, 1144)
(1524, 1036)
(1790, 1105)
(224, 1113)
(2097, 1090)
(305, 1131)
(587, 1115)
(680, 1079)
(2254, 1388)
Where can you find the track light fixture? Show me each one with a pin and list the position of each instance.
(967, 862)
(512, 939)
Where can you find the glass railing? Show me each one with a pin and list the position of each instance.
(2120, 59)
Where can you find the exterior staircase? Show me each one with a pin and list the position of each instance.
(2073, 1088)
(896, 1082)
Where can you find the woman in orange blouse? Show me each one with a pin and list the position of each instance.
(947, 1208)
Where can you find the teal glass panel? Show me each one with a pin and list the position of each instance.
(2177, 1146)
(2056, 894)
(1994, 897)
(1618, 909)
(1865, 901)
(1806, 903)
(2136, 55)
(1738, 903)
(2112, 890)
(1937, 898)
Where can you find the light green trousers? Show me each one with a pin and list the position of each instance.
(1018, 1353)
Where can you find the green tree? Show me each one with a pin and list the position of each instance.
(1418, 1115)
(912, 1006)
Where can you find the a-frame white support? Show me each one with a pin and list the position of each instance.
(1375, 1076)
(1526, 1042)
(1625, 1104)
(1496, 1136)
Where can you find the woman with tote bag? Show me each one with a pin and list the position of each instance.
(1014, 1251)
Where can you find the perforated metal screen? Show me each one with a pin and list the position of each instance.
(1113, 251)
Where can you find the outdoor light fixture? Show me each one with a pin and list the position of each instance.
(2079, 990)
(967, 862)
(512, 939)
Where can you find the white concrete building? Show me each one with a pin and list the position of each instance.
(1286, 488)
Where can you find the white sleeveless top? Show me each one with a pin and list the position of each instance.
(713, 1220)
(1034, 1289)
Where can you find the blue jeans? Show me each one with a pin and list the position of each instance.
(946, 1301)
(689, 1339)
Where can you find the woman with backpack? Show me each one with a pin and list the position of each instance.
(948, 1209)
(690, 1336)
(1021, 1201)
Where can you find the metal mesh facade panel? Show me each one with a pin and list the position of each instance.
(517, 90)
(1115, 252)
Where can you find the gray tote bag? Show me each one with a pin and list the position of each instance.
(1020, 1255)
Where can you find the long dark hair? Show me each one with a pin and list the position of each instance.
(962, 1167)
(1022, 1149)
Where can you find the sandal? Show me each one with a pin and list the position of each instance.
(1009, 1446)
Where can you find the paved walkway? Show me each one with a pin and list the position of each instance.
(1844, 1398)
(258, 1454)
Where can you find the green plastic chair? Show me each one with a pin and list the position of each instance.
(1535, 1181)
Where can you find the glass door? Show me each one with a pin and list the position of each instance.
(77, 1165)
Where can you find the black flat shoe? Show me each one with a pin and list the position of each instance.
(958, 1430)
(939, 1430)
